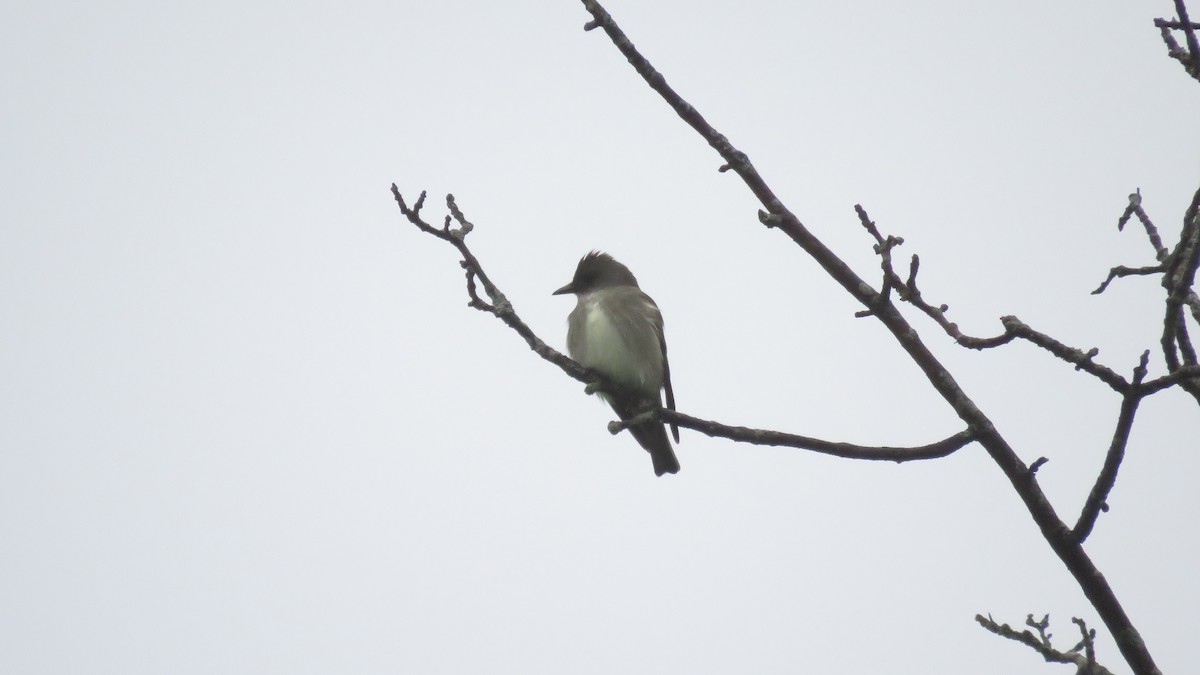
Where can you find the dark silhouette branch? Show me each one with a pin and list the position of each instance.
(1135, 208)
(883, 247)
(1097, 499)
(1178, 268)
(1174, 24)
(1164, 256)
(1121, 271)
(1178, 279)
(936, 450)
(1189, 31)
(1189, 58)
(1183, 374)
(1014, 328)
(1088, 642)
(1081, 360)
(1161, 253)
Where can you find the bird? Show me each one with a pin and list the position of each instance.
(617, 330)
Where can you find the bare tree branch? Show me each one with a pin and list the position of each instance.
(1161, 253)
(1097, 499)
(1178, 268)
(1184, 373)
(1174, 24)
(1178, 280)
(1121, 271)
(908, 292)
(1082, 360)
(1135, 208)
(1088, 643)
(1085, 662)
(499, 306)
(1189, 31)
(936, 450)
(1189, 58)
(1040, 643)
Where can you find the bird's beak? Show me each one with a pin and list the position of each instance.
(569, 288)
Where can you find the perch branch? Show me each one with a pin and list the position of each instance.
(939, 449)
(1121, 271)
(501, 308)
(936, 450)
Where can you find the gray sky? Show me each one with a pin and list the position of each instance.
(250, 426)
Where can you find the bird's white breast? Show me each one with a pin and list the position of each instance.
(606, 350)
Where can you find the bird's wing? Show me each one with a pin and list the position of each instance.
(667, 383)
(655, 317)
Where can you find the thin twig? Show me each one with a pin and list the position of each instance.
(1086, 661)
(1087, 642)
(1121, 271)
(1135, 208)
(908, 291)
(499, 305)
(1040, 645)
(883, 247)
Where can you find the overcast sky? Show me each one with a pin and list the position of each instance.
(249, 425)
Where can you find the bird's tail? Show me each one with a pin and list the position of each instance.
(652, 436)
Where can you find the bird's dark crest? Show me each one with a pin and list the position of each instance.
(600, 270)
